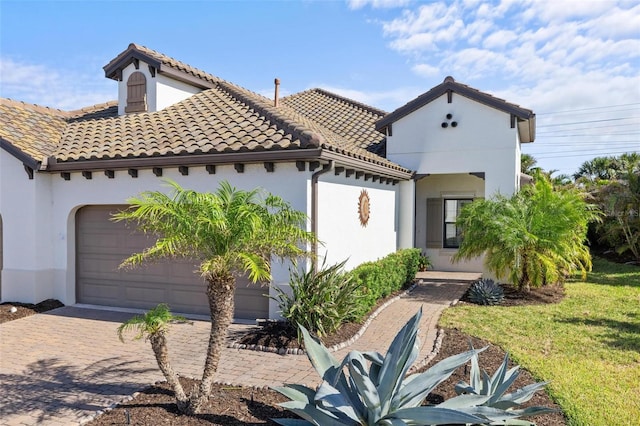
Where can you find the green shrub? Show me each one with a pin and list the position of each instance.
(376, 390)
(424, 262)
(321, 299)
(376, 280)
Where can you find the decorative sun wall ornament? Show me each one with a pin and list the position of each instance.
(363, 207)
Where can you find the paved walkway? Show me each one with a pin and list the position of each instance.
(60, 367)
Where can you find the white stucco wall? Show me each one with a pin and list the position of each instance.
(161, 90)
(170, 91)
(406, 214)
(445, 186)
(482, 141)
(339, 225)
(25, 205)
(39, 236)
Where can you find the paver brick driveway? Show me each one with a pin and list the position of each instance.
(60, 367)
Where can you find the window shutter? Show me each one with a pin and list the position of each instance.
(136, 93)
(434, 223)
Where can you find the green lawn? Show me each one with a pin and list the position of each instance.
(588, 345)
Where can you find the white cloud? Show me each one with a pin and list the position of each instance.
(499, 39)
(425, 70)
(376, 4)
(544, 55)
(38, 84)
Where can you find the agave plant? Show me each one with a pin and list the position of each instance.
(380, 394)
(495, 387)
(486, 292)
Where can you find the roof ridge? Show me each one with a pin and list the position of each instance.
(358, 104)
(274, 114)
(93, 108)
(487, 94)
(35, 107)
(160, 59)
(168, 60)
(320, 138)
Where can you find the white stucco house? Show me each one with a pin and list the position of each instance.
(371, 182)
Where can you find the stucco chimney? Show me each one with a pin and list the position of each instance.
(275, 98)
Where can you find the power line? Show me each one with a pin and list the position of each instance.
(566, 111)
(587, 122)
(589, 128)
(547, 157)
(590, 134)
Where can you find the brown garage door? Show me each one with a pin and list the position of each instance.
(102, 244)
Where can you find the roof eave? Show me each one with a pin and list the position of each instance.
(308, 154)
(527, 130)
(113, 69)
(26, 159)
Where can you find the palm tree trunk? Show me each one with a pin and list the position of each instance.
(159, 346)
(220, 291)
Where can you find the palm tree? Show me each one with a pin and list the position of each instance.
(536, 237)
(230, 233)
(153, 326)
(599, 168)
(528, 163)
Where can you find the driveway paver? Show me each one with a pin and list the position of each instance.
(62, 366)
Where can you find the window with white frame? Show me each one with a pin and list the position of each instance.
(451, 233)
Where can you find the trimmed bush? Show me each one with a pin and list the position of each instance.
(376, 280)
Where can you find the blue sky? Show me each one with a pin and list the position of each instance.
(575, 63)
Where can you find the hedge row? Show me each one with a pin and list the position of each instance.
(379, 279)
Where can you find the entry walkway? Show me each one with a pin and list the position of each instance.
(60, 367)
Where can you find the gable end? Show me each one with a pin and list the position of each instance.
(525, 117)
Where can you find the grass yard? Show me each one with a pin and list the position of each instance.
(588, 345)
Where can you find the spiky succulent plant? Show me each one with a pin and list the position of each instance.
(496, 386)
(486, 292)
(376, 390)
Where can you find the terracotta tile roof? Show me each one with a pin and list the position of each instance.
(32, 129)
(105, 110)
(224, 118)
(352, 120)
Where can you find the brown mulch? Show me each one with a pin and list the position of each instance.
(235, 406)
(280, 334)
(247, 406)
(26, 309)
(228, 406)
(456, 342)
(537, 296)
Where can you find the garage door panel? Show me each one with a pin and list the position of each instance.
(102, 245)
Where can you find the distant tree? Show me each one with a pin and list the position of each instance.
(599, 168)
(533, 238)
(560, 180)
(619, 199)
(528, 164)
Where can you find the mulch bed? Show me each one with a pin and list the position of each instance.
(26, 309)
(247, 406)
(280, 334)
(234, 406)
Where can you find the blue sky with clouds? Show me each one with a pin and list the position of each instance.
(575, 63)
